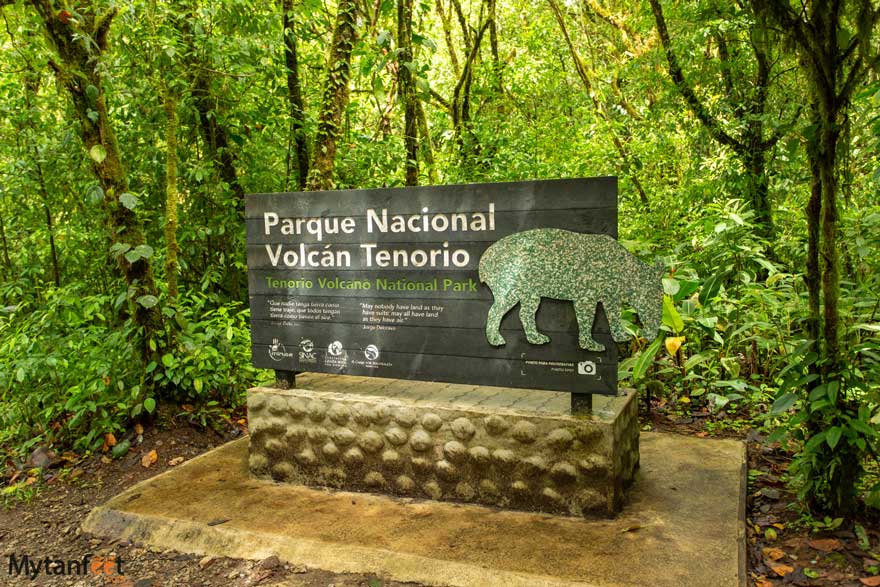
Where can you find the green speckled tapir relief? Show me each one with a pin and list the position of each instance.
(584, 268)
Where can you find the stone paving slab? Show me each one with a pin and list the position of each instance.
(683, 525)
(537, 400)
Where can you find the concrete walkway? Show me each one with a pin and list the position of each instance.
(682, 527)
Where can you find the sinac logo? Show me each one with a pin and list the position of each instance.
(276, 350)
(306, 345)
(335, 348)
(371, 352)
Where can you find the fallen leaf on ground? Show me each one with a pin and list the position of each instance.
(702, 434)
(175, 461)
(773, 554)
(781, 570)
(110, 440)
(871, 581)
(763, 582)
(825, 544)
(149, 459)
(30, 481)
(138, 429)
(780, 526)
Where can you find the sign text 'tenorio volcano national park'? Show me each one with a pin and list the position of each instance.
(487, 284)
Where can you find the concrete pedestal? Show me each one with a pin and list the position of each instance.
(491, 446)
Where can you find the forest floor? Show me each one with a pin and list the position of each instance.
(41, 519)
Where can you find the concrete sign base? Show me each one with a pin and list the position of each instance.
(682, 525)
(508, 457)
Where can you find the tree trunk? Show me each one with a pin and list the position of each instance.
(5, 244)
(755, 165)
(493, 45)
(749, 144)
(447, 35)
(407, 91)
(812, 278)
(294, 96)
(427, 143)
(335, 97)
(584, 75)
(830, 257)
(79, 72)
(171, 197)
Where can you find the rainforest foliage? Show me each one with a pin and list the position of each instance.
(744, 132)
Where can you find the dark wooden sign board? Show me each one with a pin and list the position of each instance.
(326, 296)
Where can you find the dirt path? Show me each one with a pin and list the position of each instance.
(48, 526)
(782, 549)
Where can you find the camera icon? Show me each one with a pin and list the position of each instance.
(586, 368)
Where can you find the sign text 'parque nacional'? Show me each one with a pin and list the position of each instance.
(419, 283)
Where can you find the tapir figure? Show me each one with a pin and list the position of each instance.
(563, 265)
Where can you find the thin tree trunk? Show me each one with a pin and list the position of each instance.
(749, 144)
(814, 222)
(447, 35)
(44, 195)
(427, 143)
(493, 44)
(407, 91)
(294, 96)
(171, 196)
(80, 73)
(335, 98)
(8, 263)
(581, 69)
(830, 257)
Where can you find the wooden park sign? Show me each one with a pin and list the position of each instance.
(419, 283)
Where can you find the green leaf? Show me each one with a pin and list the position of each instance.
(148, 301)
(670, 286)
(832, 437)
(671, 317)
(129, 200)
(644, 360)
(92, 92)
(197, 384)
(98, 153)
(783, 403)
(149, 404)
(711, 287)
(120, 449)
(151, 367)
(146, 251)
(167, 359)
(19, 375)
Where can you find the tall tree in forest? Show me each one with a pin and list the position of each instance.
(586, 78)
(335, 99)
(80, 43)
(214, 134)
(746, 102)
(834, 43)
(171, 194)
(407, 91)
(294, 97)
